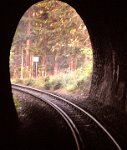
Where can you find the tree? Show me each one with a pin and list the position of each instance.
(56, 37)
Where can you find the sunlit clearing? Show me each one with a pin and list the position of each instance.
(51, 49)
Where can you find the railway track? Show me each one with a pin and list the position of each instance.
(87, 131)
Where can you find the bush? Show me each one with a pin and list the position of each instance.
(16, 102)
(72, 81)
(55, 82)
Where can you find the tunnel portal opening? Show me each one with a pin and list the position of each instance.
(52, 50)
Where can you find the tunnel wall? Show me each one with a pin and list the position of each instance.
(106, 23)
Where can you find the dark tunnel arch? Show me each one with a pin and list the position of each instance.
(107, 86)
(106, 22)
(102, 26)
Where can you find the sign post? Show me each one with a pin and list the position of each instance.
(36, 60)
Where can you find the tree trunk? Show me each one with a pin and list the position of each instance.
(30, 67)
(56, 64)
(22, 63)
(27, 57)
(44, 65)
(72, 63)
(28, 48)
(16, 60)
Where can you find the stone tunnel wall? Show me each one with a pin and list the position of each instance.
(106, 22)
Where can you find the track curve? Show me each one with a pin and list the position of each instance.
(75, 115)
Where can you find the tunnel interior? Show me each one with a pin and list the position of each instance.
(106, 22)
(106, 27)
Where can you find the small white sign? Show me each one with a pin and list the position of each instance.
(35, 59)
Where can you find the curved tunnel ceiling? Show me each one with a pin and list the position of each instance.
(106, 23)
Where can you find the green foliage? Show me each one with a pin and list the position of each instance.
(53, 31)
(71, 81)
(53, 83)
(16, 102)
(77, 79)
(17, 81)
(38, 83)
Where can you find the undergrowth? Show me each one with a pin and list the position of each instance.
(78, 80)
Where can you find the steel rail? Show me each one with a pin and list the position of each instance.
(70, 123)
(79, 108)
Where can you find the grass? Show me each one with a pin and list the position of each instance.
(78, 80)
(16, 102)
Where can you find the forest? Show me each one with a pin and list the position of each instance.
(51, 49)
